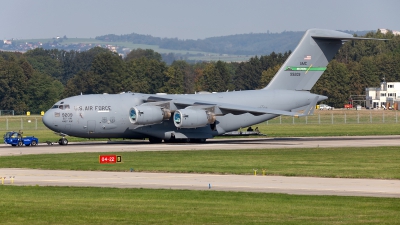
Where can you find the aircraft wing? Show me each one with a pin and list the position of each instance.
(349, 38)
(225, 108)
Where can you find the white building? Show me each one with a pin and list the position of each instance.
(384, 31)
(388, 95)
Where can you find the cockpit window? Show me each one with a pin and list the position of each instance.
(62, 107)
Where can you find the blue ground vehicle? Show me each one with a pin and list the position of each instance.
(16, 139)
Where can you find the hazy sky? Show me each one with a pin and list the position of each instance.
(189, 19)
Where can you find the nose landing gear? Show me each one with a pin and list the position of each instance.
(63, 141)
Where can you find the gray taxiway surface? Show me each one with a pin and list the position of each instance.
(211, 144)
(247, 183)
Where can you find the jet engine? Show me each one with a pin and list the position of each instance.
(148, 115)
(189, 118)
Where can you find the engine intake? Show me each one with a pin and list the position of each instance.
(148, 115)
(189, 118)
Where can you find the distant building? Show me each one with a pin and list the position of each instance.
(7, 42)
(112, 48)
(384, 31)
(388, 95)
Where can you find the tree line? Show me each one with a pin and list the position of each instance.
(35, 80)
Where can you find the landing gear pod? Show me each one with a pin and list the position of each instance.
(189, 118)
(147, 115)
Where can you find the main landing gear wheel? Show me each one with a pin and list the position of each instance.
(33, 143)
(63, 141)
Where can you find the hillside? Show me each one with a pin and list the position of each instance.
(231, 48)
(238, 44)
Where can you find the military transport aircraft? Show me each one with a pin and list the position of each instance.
(197, 117)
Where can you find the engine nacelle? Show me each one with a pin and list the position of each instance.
(148, 115)
(189, 118)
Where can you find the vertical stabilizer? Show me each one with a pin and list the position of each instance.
(309, 60)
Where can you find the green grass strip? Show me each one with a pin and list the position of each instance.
(314, 130)
(76, 205)
(371, 162)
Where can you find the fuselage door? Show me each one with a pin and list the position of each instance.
(91, 125)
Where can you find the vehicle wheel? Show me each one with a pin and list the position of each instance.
(20, 143)
(33, 143)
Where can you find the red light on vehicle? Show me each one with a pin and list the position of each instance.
(103, 159)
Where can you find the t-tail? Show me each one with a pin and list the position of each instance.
(309, 60)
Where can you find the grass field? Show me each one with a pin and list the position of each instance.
(71, 205)
(373, 162)
(119, 44)
(201, 56)
(343, 117)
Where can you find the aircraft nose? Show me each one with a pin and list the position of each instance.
(46, 119)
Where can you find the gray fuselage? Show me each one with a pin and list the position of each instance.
(107, 115)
